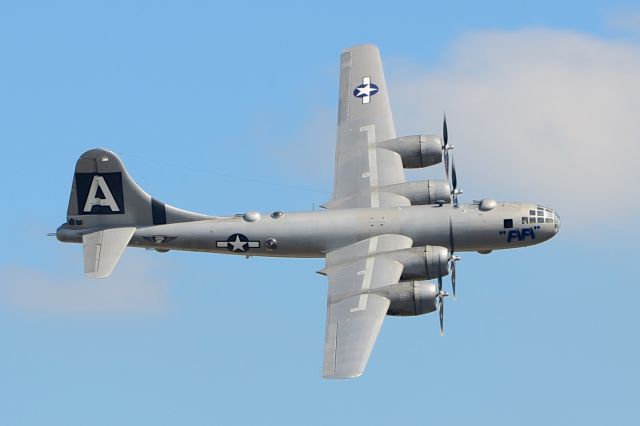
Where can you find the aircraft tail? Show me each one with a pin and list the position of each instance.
(105, 208)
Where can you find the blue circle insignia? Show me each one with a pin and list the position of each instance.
(365, 90)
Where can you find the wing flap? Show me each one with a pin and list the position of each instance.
(354, 311)
(370, 246)
(384, 199)
(102, 250)
(349, 341)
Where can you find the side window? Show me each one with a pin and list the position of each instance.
(525, 220)
(508, 223)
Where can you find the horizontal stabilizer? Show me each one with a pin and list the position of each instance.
(102, 250)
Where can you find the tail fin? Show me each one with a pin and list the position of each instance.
(103, 195)
(105, 208)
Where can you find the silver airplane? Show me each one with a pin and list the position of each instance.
(382, 238)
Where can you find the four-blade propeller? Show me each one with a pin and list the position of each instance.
(449, 170)
(452, 258)
(449, 161)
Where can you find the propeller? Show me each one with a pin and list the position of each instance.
(445, 146)
(452, 266)
(440, 297)
(446, 160)
(452, 259)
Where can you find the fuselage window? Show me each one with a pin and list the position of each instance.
(549, 220)
(508, 223)
(525, 220)
(532, 212)
(541, 220)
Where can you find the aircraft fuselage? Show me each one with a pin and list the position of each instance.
(314, 233)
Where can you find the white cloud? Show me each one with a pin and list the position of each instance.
(136, 288)
(537, 115)
(309, 152)
(625, 20)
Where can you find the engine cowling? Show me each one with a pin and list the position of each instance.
(412, 298)
(423, 263)
(422, 192)
(416, 151)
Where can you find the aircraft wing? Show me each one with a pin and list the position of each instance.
(364, 118)
(354, 312)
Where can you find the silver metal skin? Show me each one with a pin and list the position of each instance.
(473, 230)
(380, 236)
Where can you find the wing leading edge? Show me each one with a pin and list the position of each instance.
(364, 119)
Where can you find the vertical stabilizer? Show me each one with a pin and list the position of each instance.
(103, 195)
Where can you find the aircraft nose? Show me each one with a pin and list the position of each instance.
(556, 222)
(546, 220)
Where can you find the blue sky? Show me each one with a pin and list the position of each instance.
(223, 108)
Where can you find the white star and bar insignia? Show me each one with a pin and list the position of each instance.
(238, 242)
(366, 90)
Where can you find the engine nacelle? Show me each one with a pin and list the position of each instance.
(416, 151)
(422, 192)
(412, 298)
(423, 263)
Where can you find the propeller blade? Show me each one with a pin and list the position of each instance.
(445, 132)
(454, 181)
(446, 164)
(453, 277)
(441, 295)
(452, 259)
(454, 177)
(445, 147)
(441, 314)
(451, 245)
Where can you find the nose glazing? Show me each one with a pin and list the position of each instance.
(556, 222)
(546, 220)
